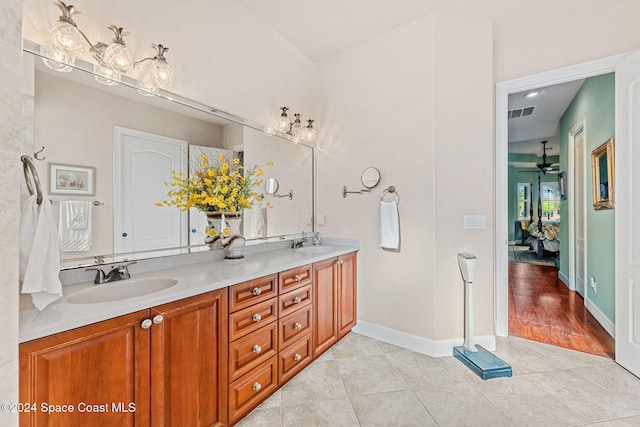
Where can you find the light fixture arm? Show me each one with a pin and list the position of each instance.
(160, 50)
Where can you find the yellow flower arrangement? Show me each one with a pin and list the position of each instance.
(226, 186)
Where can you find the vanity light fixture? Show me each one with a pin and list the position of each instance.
(306, 133)
(68, 43)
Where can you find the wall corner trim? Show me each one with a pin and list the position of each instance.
(418, 344)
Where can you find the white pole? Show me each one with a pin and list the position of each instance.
(468, 317)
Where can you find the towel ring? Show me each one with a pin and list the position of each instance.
(30, 169)
(390, 190)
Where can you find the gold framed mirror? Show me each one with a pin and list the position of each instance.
(602, 164)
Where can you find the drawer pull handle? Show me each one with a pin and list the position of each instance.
(256, 317)
(158, 319)
(297, 357)
(256, 291)
(146, 324)
(297, 326)
(297, 278)
(257, 349)
(297, 300)
(257, 386)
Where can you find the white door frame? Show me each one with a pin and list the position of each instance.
(579, 126)
(503, 89)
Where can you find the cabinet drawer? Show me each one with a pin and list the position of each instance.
(252, 318)
(291, 301)
(294, 358)
(294, 326)
(248, 293)
(249, 390)
(294, 278)
(251, 350)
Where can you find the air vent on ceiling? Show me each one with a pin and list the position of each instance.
(520, 112)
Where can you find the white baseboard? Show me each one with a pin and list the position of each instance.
(563, 278)
(602, 318)
(419, 344)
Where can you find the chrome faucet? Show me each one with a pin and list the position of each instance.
(297, 243)
(119, 272)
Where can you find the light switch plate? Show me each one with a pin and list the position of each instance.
(321, 220)
(307, 219)
(475, 221)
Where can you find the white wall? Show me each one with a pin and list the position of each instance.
(10, 180)
(396, 103)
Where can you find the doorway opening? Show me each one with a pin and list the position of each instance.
(504, 188)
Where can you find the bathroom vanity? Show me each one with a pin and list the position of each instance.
(204, 351)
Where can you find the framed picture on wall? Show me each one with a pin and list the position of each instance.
(72, 180)
(562, 185)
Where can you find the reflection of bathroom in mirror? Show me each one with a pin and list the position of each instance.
(603, 172)
(81, 122)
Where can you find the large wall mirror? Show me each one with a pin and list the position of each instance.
(86, 124)
(603, 164)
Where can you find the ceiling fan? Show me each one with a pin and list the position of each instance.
(546, 167)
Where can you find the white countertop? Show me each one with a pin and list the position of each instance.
(193, 279)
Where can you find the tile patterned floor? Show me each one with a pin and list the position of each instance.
(365, 382)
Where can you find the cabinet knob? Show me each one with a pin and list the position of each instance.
(256, 317)
(257, 386)
(297, 357)
(297, 278)
(256, 291)
(297, 300)
(297, 326)
(158, 319)
(146, 324)
(257, 349)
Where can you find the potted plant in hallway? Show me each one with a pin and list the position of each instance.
(222, 190)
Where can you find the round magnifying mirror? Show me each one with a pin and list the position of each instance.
(271, 186)
(370, 177)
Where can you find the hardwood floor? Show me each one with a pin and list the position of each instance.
(543, 309)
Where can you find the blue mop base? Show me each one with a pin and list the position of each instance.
(484, 363)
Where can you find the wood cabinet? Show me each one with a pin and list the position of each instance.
(206, 360)
(253, 344)
(334, 294)
(347, 280)
(125, 371)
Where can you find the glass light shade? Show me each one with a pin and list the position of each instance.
(118, 57)
(66, 38)
(297, 130)
(161, 74)
(106, 76)
(147, 89)
(309, 134)
(284, 124)
(57, 60)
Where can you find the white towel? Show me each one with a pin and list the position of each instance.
(389, 225)
(39, 255)
(259, 221)
(77, 214)
(74, 226)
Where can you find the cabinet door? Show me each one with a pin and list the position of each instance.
(325, 307)
(346, 294)
(102, 368)
(189, 361)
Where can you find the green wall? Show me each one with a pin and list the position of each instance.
(596, 102)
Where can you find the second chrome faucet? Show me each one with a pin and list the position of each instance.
(118, 272)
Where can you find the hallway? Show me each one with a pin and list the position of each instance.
(543, 309)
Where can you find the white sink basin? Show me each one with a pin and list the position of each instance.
(120, 290)
(315, 250)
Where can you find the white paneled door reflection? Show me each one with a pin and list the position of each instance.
(143, 162)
